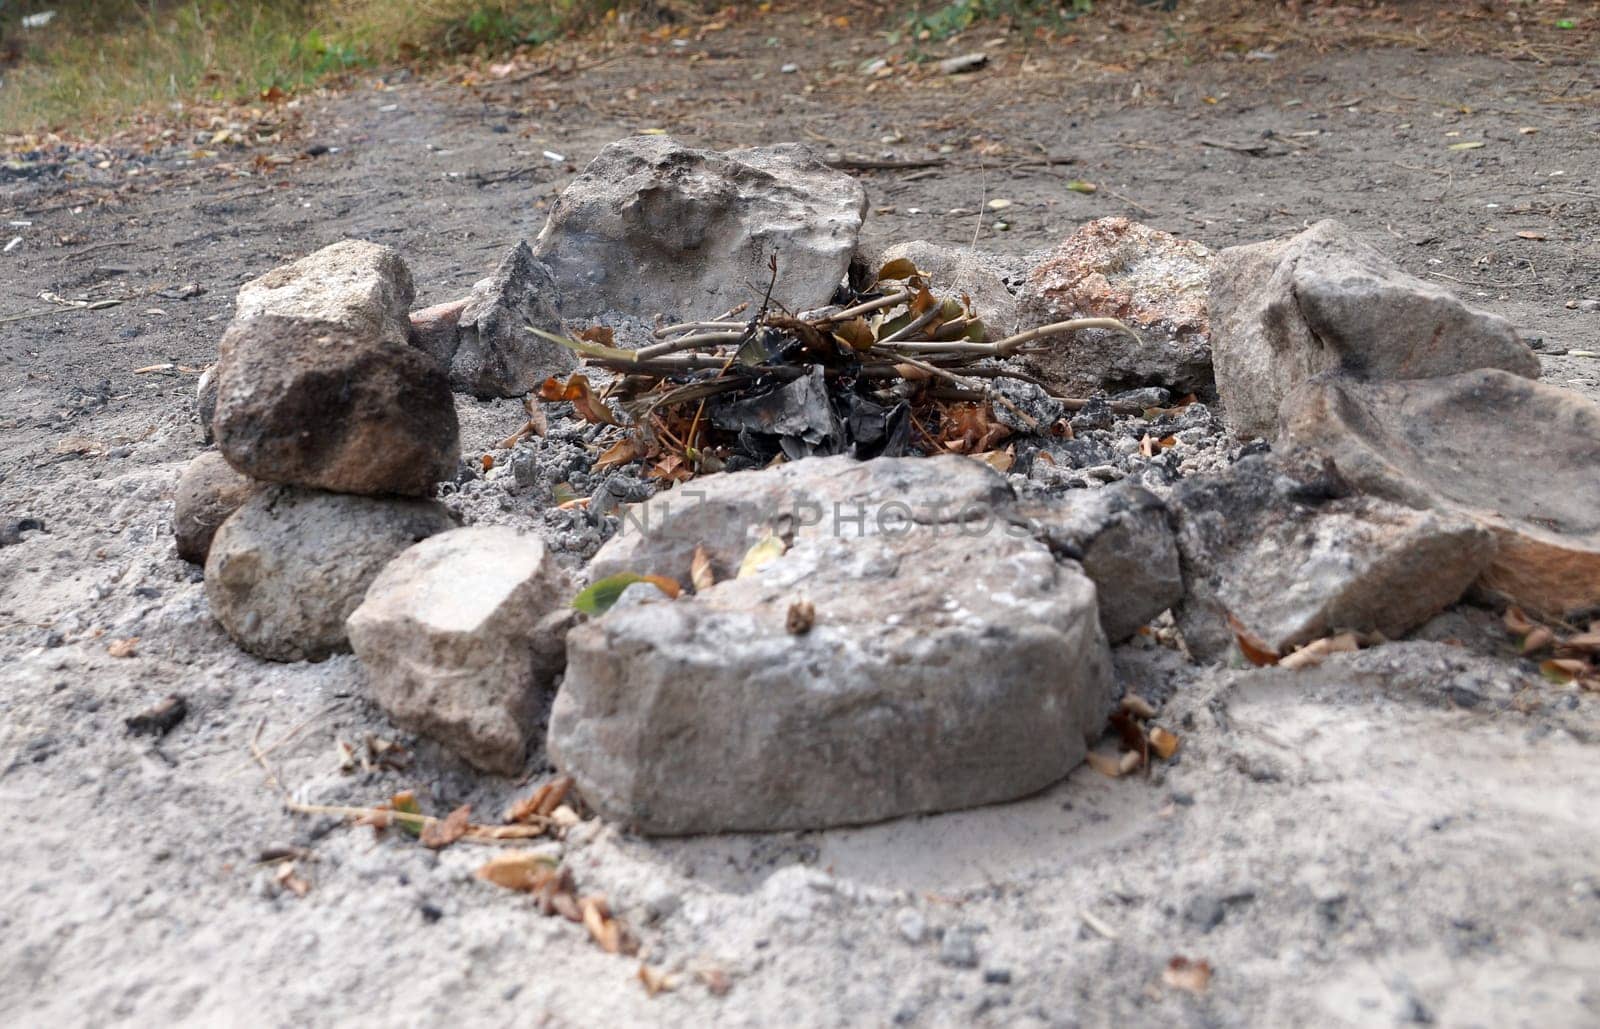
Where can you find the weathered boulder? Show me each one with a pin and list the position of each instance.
(1285, 547)
(654, 227)
(935, 671)
(1323, 300)
(364, 288)
(1518, 456)
(208, 492)
(496, 355)
(1121, 536)
(1153, 281)
(290, 565)
(461, 637)
(954, 271)
(816, 498)
(314, 404)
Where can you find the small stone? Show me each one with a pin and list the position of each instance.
(458, 641)
(1204, 912)
(997, 976)
(290, 565)
(363, 288)
(1589, 306)
(913, 928)
(208, 492)
(1096, 414)
(312, 404)
(959, 948)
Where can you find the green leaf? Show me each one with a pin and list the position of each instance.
(1082, 186)
(601, 596)
(584, 346)
(406, 803)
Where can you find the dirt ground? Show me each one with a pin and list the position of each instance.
(1401, 836)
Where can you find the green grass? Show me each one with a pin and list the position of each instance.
(941, 21)
(104, 59)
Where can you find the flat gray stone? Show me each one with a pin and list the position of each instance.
(495, 355)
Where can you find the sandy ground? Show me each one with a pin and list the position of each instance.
(1402, 836)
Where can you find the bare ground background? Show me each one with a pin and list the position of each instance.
(1402, 836)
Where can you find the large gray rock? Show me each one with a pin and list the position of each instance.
(314, 404)
(208, 492)
(1152, 281)
(939, 671)
(362, 287)
(288, 567)
(1520, 457)
(1121, 536)
(497, 356)
(1293, 554)
(1323, 300)
(654, 227)
(462, 636)
(811, 499)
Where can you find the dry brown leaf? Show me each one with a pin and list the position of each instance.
(801, 618)
(584, 403)
(601, 334)
(716, 981)
(288, 879)
(487, 461)
(1130, 762)
(701, 575)
(1564, 669)
(1583, 643)
(1537, 638)
(655, 981)
(440, 834)
(1536, 236)
(1317, 651)
(1190, 976)
(1000, 460)
(1137, 705)
(1164, 743)
(124, 648)
(522, 870)
(1105, 764)
(1517, 623)
(855, 334)
(898, 269)
(505, 832)
(1250, 645)
(624, 451)
(542, 801)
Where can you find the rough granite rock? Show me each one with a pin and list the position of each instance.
(1518, 456)
(1289, 550)
(939, 671)
(496, 355)
(1323, 300)
(462, 636)
(208, 492)
(1153, 281)
(362, 287)
(288, 567)
(312, 404)
(1121, 536)
(654, 227)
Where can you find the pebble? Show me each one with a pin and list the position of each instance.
(959, 948)
(1589, 306)
(912, 926)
